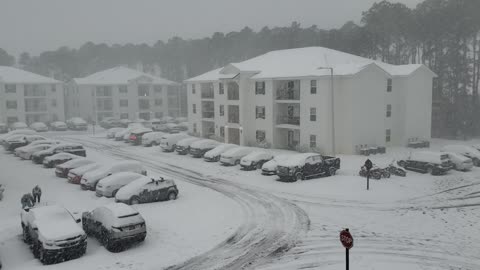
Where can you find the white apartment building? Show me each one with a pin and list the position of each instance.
(284, 98)
(123, 93)
(28, 97)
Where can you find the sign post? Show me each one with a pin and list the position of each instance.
(347, 241)
(368, 165)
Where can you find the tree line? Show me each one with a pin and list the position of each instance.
(442, 34)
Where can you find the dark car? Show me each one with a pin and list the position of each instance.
(145, 190)
(136, 135)
(199, 148)
(427, 162)
(72, 148)
(20, 140)
(308, 165)
(108, 123)
(77, 123)
(57, 159)
(63, 169)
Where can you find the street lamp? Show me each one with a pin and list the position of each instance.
(333, 107)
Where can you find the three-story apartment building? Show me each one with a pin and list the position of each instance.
(314, 98)
(28, 97)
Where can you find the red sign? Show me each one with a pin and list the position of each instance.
(346, 239)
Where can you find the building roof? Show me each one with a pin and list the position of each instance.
(15, 75)
(303, 62)
(120, 75)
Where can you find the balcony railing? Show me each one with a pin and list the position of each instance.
(289, 120)
(208, 114)
(288, 94)
(208, 94)
(235, 119)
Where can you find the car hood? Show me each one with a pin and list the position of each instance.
(59, 230)
(270, 165)
(94, 176)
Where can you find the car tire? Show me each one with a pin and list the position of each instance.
(36, 250)
(299, 176)
(45, 260)
(332, 171)
(134, 200)
(172, 196)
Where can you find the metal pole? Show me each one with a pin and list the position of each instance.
(347, 257)
(368, 180)
(333, 112)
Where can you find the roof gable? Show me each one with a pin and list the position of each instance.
(15, 75)
(120, 75)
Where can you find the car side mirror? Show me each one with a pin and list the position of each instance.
(78, 220)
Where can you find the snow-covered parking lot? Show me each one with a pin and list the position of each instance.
(226, 218)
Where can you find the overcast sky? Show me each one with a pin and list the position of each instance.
(38, 25)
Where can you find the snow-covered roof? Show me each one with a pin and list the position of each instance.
(15, 75)
(187, 141)
(303, 62)
(204, 144)
(120, 75)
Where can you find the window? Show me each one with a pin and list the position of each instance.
(313, 141)
(260, 112)
(158, 115)
(11, 104)
(221, 89)
(144, 104)
(143, 90)
(222, 132)
(222, 110)
(313, 114)
(33, 90)
(158, 102)
(124, 116)
(389, 85)
(54, 103)
(313, 87)
(53, 88)
(104, 91)
(260, 135)
(158, 89)
(193, 89)
(290, 85)
(144, 116)
(10, 88)
(123, 102)
(259, 88)
(389, 110)
(195, 128)
(194, 108)
(388, 134)
(122, 89)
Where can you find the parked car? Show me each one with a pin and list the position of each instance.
(460, 162)
(17, 141)
(152, 138)
(307, 165)
(182, 126)
(145, 190)
(270, 167)
(75, 175)
(110, 122)
(111, 132)
(62, 170)
(214, 154)
(168, 142)
(26, 152)
(255, 160)
(427, 162)
(375, 172)
(5, 136)
(58, 126)
(77, 123)
(39, 127)
(200, 147)
(183, 146)
(38, 142)
(155, 124)
(18, 125)
(57, 159)
(90, 179)
(168, 119)
(467, 151)
(115, 225)
(110, 185)
(3, 128)
(233, 156)
(72, 148)
(137, 134)
(53, 233)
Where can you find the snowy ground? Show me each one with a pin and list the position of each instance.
(227, 218)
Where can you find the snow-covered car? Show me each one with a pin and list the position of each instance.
(168, 119)
(136, 135)
(3, 137)
(90, 179)
(62, 170)
(125, 122)
(200, 147)
(53, 234)
(255, 160)
(58, 126)
(145, 189)
(77, 123)
(38, 142)
(72, 148)
(155, 123)
(39, 127)
(464, 150)
(3, 128)
(307, 165)
(17, 141)
(233, 156)
(214, 154)
(111, 132)
(115, 225)
(152, 138)
(110, 185)
(110, 122)
(57, 159)
(75, 175)
(270, 167)
(18, 125)
(168, 142)
(182, 126)
(27, 152)
(183, 146)
(460, 162)
(433, 163)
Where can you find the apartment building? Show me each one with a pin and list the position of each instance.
(29, 97)
(125, 94)
(290, 98)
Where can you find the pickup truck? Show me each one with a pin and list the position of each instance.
(307, 165)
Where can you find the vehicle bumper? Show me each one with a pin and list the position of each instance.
(87, 187)
(268, 172)
(103, 193)
(182, 151)
(250, 167)
(60, 174)
(226, 163)
(48, 165)
(66, 253)
(131, 238)
(122, 201)
(37, 160)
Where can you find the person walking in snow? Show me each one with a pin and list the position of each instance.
(27, 201)
(37, 193)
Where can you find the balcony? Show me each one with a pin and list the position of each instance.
(233, 114)
(208, 114)
(233, 92)
(287, 90)
(288, 115)
(207, 90)
(288, 120)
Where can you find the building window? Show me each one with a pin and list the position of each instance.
(222, 132)
(313, 114)
(144, 116)
(193, 89)
(103, 91)
(33, 90)
(389, 85)
(313, 87)
(124, 116)
(259, 88)
(123, 102)
(194, 108)
(222, 110)
(11, 104)
(313, 141)
(260, 135)
(122, 89)
(144, 104)
(143, 90)
(389, 110)
(54, 103)
(260, 112)
(388, 134)
(53, 88)
(158, 102)
(290, 85)
(10, 88)
(158, 89)
(194, 127)
(221, 89)
(158, 115)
